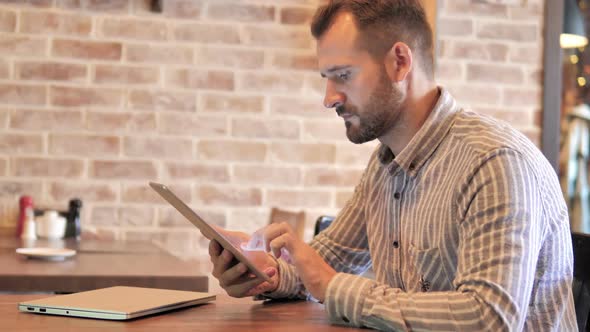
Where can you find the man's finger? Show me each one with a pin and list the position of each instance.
(274, 231)
(232, 274)
(222, 263)
(214, 249)
(241, 289)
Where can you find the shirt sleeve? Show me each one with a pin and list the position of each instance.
(500, 229)
(343, 245)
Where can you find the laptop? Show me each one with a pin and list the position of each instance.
(115, 303)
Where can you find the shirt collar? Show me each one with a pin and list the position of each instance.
(425, 141)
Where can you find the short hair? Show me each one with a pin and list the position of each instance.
(382, 23)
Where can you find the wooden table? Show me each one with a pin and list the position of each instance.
(225, 314)
(97, 265)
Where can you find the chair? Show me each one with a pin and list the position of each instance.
(581, 284)
(295, 219)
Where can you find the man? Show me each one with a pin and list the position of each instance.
(460, 216)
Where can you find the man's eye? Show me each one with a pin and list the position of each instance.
(344, 76)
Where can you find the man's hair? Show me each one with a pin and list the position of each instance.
(382, 23)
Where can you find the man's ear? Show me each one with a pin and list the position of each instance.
(398, 62)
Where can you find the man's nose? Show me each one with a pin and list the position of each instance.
(333, 98)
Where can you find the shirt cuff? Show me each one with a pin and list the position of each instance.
(289, 283)
(345, 298)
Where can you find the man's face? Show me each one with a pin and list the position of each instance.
(357, 86)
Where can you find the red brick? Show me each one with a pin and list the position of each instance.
(126, 75)
(527, 55)
(479, 51)
(121, 122)
(207, 33)
(200, 79)
(232, 103)
(247, 220)
(230, 57)
(299, 199)
(259, 175)
(457, 27)
(4, 117)
(354, 154)
(136, 216)
(170, 217)
(448, 70)
(45, 120)
(50, 71)
(85, 97)
(3, 166)
(162, 100)
(231, 151)
(55, 23)
(284, 60)
(88, 192)
(476, 9)
(144, 235)
(315, 87)
(319, 130)
(270, 82)
(228, 196)
(303, 153)
(196, 172)
(7, 20)
(17, 45)
(110, 6)
(189, 124)
(4, 69)
(105, 216)
(525, 12)
(144, 194)
(342, 197)
(29, 3)
(87, 50)
(20, 143)
(278, 37)
(331, 177)
(134, 29)
(513, 117)
(161, 148)
(265, 128)
(495, 74)
(240, 13)
(30, 166)
(123, 169)
(159, 54)
(84, 145)
(471, 94)
(522, 97)
(305, 108)
(22, 94)
(189, 9)
(11, 188)
(296, 15)
(528, 33)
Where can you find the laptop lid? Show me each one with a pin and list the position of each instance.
(115, 303)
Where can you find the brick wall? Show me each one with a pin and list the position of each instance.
(219, 99)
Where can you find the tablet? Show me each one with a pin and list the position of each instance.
(254, 260)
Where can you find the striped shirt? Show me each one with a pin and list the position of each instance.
(466, 230)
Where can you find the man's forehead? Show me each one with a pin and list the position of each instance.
(338, 43)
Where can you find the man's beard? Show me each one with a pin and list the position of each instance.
(379, 114)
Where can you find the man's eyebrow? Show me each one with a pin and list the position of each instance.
(334, 69)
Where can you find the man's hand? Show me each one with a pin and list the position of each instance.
(314, 272)
(233, 276)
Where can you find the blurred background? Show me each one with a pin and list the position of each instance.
(222, 101)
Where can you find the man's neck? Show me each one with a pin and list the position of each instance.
(419, 103)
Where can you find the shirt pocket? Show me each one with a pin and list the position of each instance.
(426, 271)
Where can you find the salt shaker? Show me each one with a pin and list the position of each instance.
(29, 231)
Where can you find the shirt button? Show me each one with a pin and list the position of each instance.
(397, 195)
(412, 166)
(396, 244)
(345, 320)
